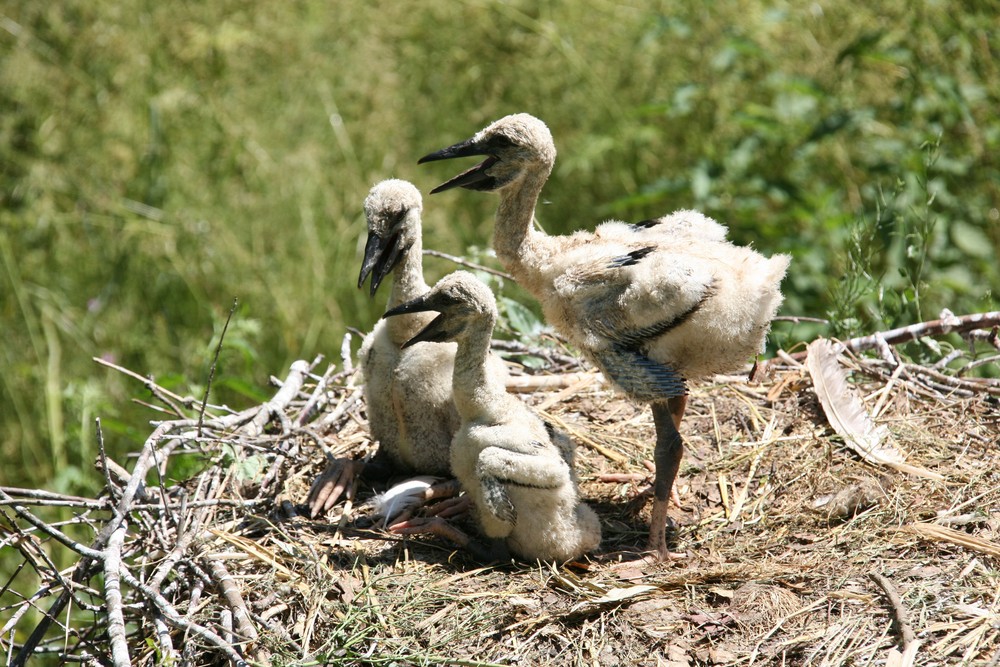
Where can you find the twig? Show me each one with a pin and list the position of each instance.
(345, 352)
(531, 383)
(165, 395)
(84, 569)
(51, 531)
(466, 263)
(552, 356)
(172, 617)
(103, 454)
(241, 615)
(796, 319)
(330, 419)
(947, 324)
(316, 397)
(48, 498)
(211, 370)
(113, 596)
(289, 390)
(909, 640)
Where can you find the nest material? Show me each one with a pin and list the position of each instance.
(223, 567)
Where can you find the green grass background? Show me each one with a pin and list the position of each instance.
(160, 159)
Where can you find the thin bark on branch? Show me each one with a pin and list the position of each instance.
(469, 265)
(173, 618)
(241, 615)
(113, 596)
(945, 325)
(909, 642)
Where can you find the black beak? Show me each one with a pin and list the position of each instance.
(381, 257)
(437, 331)
(473, 179)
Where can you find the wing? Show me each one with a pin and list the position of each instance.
(639, 376)
(499, 470)
(627, 295)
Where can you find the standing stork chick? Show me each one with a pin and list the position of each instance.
(407, 392)
(651, 304)
(516, 468)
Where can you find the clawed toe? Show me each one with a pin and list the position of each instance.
(334, 482)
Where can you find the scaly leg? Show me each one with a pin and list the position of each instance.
(667, 456)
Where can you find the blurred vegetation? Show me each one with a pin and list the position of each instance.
(162, 159)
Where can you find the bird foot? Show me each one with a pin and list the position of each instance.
(492, 551)
(644, 559)
(450, 505)
(334, 482)
(430, 525)
(450, 508)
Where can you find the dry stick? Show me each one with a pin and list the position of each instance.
(172, 617)
(796, 319)
(898, 612)
(49, 499)
(330, 419)
(551, 356)
(84, 569)
(211, 370)
(466, 263)
(164, 395)
(289, 390)
(345, 352)
(315, 398)
(241, 615)
(51, 531)
(939, 327)
(113, 596)
(168, 655)
(112, 489)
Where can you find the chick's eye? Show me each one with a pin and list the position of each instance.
(500, 141)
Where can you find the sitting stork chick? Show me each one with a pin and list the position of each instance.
(407, 392)
(652, 305)
(516, 468)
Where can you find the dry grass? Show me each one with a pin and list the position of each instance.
(792, 551)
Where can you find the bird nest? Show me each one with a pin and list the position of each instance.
(797, 543)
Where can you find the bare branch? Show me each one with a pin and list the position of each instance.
(211, 370)
(466, 263)
(113, 596)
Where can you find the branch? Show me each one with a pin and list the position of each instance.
(466, 263)
(165, 395)
(211, 370)
(84, 569)
(909, 640)
(172, 617)
(947, 324)
(289, 390)
(113, 595)
(231, 592)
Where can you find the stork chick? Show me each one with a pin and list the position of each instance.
(516, 468)
(652, 304)
(407, 392)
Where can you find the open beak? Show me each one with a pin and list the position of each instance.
(472, 179)
(438, 331)
(381, 256)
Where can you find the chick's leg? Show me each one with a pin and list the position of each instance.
(667, 456)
